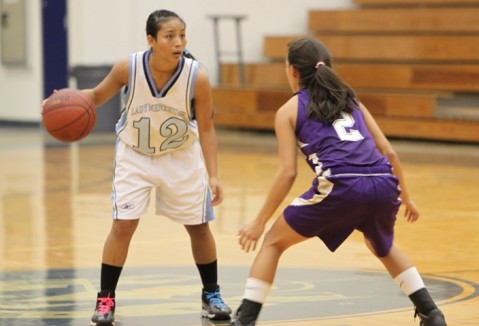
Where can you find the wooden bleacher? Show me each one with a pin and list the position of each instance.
(419, 77)
(389, 48)
(397, 3)
(403, 63)
(436, 20)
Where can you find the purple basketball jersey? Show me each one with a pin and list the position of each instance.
(353, 189)
(346, 142)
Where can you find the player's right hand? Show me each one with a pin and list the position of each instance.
(250, 234)
(44, 101)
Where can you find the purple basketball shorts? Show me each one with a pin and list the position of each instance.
(361, 199)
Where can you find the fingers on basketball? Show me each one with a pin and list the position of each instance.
(68, 115)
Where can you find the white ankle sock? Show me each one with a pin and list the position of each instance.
(256, 290)
(409, 281)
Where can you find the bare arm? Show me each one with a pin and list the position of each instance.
(207, 133)
(284, 179)
(111, 84)
(384, 146)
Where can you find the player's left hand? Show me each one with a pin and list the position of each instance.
(411, 213)
(216, 192)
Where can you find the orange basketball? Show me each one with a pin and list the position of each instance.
(69, 115)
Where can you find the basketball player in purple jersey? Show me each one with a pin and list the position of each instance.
(359, 184)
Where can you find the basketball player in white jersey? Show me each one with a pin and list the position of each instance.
(167, 142)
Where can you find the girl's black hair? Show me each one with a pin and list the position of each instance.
(188, 54)
(157, 18)
(155, 21)
(329, 95)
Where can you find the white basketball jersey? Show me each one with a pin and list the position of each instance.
(155, 122)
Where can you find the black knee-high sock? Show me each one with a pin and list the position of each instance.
(209, 275)
(423, 301)
(109, 277)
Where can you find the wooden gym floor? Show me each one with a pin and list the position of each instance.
(55, 214)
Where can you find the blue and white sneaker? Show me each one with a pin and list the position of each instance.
(213, 306)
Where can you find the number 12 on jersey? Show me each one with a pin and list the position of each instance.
(173, 131)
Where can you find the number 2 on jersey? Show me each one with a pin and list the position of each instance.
(343, 128)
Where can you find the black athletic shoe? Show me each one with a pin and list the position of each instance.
(248, 316)
(104, 314)
(238, 323)
(213, 306)
(435, 318)
(238, 313)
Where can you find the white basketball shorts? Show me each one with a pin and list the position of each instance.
(179, 178)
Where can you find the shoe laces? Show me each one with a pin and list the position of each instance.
(214, 298)
(105, 304)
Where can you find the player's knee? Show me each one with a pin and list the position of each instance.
(198, 231)
(124, 228)
(275, 242)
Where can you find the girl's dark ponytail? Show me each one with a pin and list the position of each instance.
(329, 95)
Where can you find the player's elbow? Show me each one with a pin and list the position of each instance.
(391, 154)
(288, 173)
